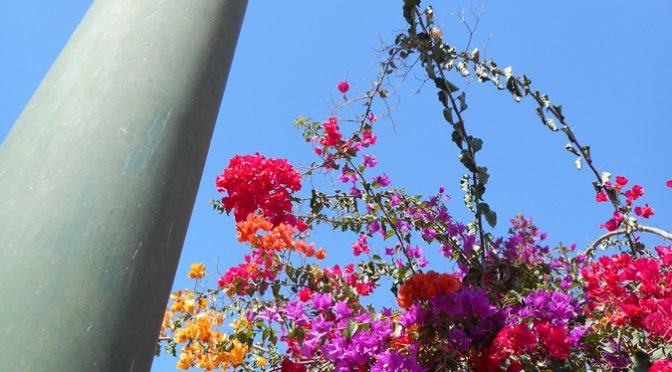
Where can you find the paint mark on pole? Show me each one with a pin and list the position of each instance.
(156, 9)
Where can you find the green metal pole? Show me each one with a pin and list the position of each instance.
(98, 179)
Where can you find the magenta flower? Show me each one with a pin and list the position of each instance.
(370, 161)
(343, 87)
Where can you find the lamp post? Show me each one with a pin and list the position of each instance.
(98, 179)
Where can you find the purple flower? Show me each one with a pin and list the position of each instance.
(555, 307)
(394, 200)
(374, 227)
(567, 282)
(428, 234)
(446, 250)
(391, 361)
(383, 180)
(354, 191)
(370, 161)
(322, 301)
(576, 334)
(414, 252)
(454, 230)
(342, 309)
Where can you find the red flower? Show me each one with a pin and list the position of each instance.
(254, 182)
(305, 294)
(368, 138)
(659, 322)
(661, 365)
(331, 135)
(634, 194)
(360, 246)
(665, 254)
(669, 184)
(601, 197)
(289, 366)
(509, 341)
(301, 226)
(343, 87)
(555, 339)
(621, 181)
(645, 211)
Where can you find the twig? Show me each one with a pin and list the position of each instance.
(648, 229)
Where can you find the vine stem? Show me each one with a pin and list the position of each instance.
(463, 132)
(648, 229)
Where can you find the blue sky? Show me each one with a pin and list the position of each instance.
(607, 62)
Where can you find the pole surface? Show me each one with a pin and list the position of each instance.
(98, 178)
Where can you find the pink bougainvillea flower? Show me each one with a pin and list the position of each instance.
(621, 181)
(370, 161)
(254, 182)
(301, 226)
(343, 87)
(360, 245)
(661, 365)
(669, 184)
(636, 192)
(613, 223)
(305, 294)
(368, 138)
(646, 211)
(331, 135)
(601, 197)
(373, 118)
(665, 254)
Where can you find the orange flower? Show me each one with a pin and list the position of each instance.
(320, 254)
(422, 287)
(307, 249)
(197, 271)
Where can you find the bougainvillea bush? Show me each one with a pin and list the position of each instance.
(510, 303)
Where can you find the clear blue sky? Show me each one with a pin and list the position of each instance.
(607, 62)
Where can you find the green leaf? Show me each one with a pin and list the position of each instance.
(550, 124)
(605, 176)
(482, 175)
(464, 183)
(475, 55)
(352, 328)
(448, 115)
(467, 160)
(463, 103)
(489, 214)
(512, 86)
(641, 361)
(457, 138)
(397, 329)
(468, 201)
(476, 144)
(571, 149)
(463, 69)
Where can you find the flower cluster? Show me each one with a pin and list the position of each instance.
(631, 195)
(636, 292)
(254, 182)
(509, 303)
(192, 322)
(262, 265)
(422, 287)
